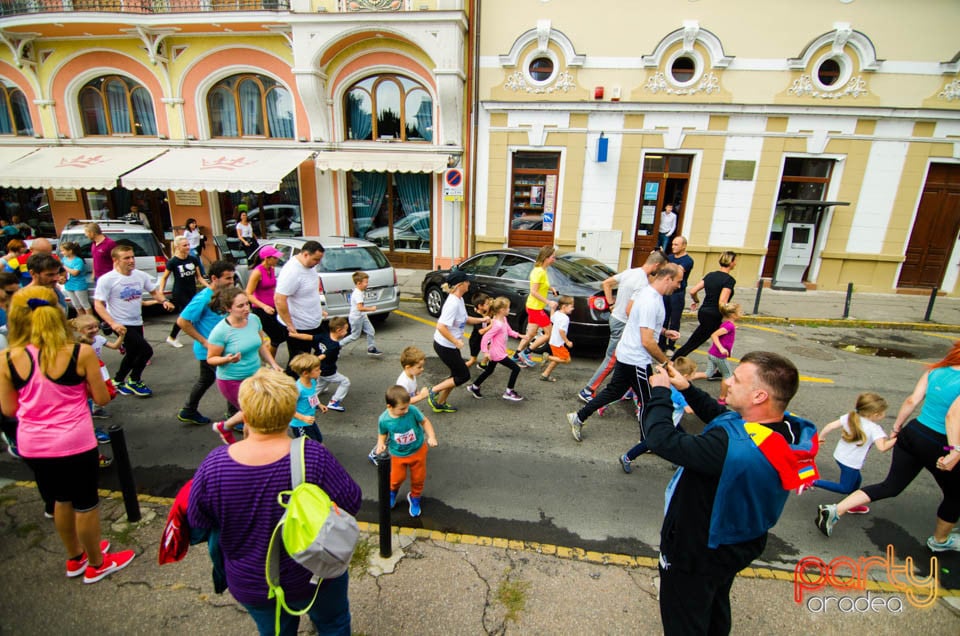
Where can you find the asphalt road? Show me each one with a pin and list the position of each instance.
(513, 470)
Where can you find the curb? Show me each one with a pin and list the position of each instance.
(562, 552)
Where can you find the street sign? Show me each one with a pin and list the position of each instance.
(453, 185)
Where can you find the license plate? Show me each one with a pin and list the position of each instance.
(371, 294)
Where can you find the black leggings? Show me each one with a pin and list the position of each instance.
(919, 447)
(492, 364)
(624, 376)
(137, 356)
(451, 357)
(710, 320)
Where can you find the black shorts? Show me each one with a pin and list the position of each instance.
(456, 364)
(73, 479)
(271, 326)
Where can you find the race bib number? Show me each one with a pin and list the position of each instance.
(314, 400)
(402, 439)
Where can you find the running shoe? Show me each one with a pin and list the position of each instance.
(432, 401)
(414, 505)
(336, 405)
(716, 377)
(373, 351)
(576, 426)
(103, 437)
(76, 567)
(952, 543)
(446, 407)
(225, 433)
(512, 396)
(827, 517)
(105, 462)
(99, 413)
(193, 417)
(123, 388)
(475, 391)
(112, 562)
(175, 343)
(138, 388)
(11, 447)
(372, 456)
(625, 464)
(393, 499)
(585, 395)
(527, 360)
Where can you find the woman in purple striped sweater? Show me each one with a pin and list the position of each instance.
(235, 489)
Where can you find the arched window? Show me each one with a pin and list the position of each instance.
(404, 110)
(250, 105)
(14, 114)
(114, 105)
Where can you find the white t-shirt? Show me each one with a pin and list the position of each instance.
(668, 222)
(301, 286)
(356, 299)
(246, 231)
(123, 295)
(454, 316)
(628, 282)
(193, 238)
(849, 454)
(408, 383)
(560, 321)
(647, 312)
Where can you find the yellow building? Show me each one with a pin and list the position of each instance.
(322, 117)
(591, 118)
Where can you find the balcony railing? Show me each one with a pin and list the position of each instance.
(22, 7)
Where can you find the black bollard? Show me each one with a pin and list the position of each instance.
(121, 459)
(933, 297)
(383, 487)
(846, 304)
(756, 301)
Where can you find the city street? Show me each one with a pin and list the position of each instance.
(513, 470)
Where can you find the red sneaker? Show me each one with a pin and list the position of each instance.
(111, 563)
(859, 510)
(75, 567)
(225, 433)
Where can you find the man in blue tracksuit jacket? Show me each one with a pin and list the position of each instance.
(731, 487)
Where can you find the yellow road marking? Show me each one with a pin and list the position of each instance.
(767, 329)
(417, 318)
(803, 378)
(944, 336)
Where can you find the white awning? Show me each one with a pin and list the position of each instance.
(382, 161)
(9, 154)
(228, 170)
(74, 167)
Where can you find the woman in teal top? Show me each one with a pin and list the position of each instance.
(233, 348)
(930, 441)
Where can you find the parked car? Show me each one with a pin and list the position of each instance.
(148, 251)
(281, 219)
(343, 257)
(506, 272)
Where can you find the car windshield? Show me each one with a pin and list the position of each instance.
(577, 273)
(352, 259)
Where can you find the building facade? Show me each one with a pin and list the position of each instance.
(319, 117)
(587, 128)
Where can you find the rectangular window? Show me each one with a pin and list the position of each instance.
(394, 211)
(533, 198)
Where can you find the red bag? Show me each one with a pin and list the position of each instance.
(176, 534)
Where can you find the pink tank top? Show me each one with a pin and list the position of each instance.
(268, 284)
(53, 418)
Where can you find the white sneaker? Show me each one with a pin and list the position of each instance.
(173, 342)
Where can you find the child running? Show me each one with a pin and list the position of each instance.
(722, 345)
(359, 320)
(481, 305)
(402, 428)
(87, 329)
(559, 342)
(861, 430)
(304, 422)
(327, 344)
(494, 343)
(412, 359)
(688, 369)
(76, 284)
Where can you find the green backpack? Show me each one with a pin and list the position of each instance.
(316, 533)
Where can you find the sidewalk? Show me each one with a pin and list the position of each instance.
(820, 307)
(440, 584)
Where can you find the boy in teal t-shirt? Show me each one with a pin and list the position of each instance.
(304, 422)
(403, 429)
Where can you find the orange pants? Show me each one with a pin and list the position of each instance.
(417, 462)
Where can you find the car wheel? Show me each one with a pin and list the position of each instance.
(379, 319)
(434, 299)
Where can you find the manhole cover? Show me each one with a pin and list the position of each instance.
(812, 353)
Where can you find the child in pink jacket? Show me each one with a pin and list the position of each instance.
(494, 344)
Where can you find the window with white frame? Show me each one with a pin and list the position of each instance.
(14, 112)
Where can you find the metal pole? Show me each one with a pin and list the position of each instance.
(933, 297)
(846, 304)
(121, 459)
(756, 301)
(383, 484)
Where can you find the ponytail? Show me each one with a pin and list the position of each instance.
(868, 404)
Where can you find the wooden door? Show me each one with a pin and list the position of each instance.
(665, 181)
(934, 230)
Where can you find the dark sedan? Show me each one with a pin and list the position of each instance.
(506, 272)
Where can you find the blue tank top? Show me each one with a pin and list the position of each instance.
(943, 388)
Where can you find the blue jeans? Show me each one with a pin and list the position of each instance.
(850, 479)
(330, 614)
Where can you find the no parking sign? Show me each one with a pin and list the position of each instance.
(453, 185)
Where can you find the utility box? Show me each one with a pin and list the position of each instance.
(603, 245)
(796, 244)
